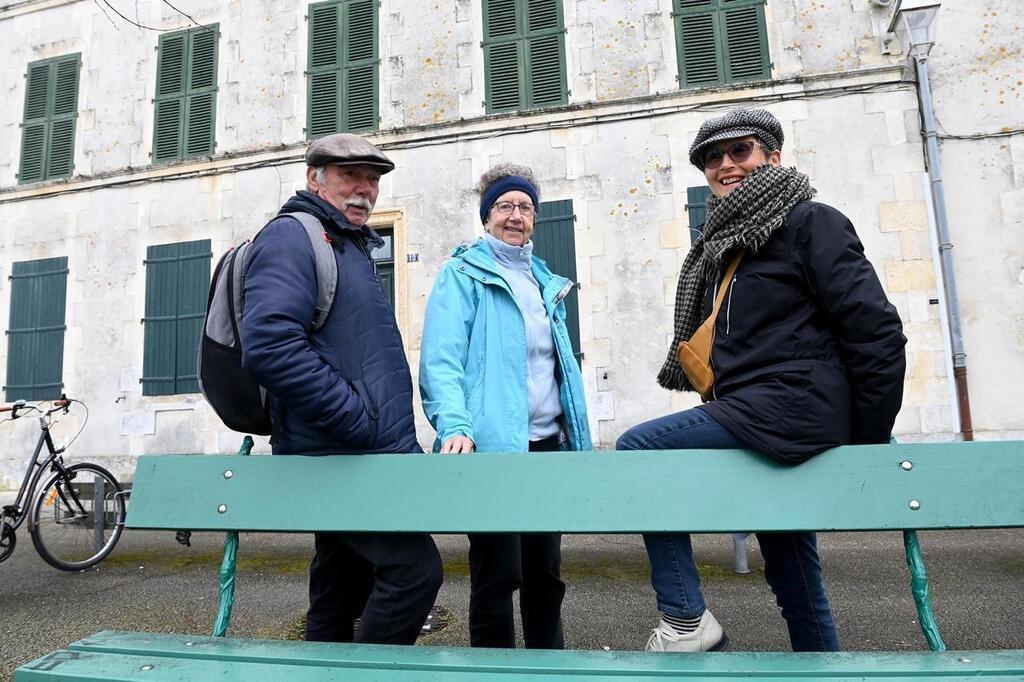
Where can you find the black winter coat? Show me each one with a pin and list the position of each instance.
(808, 352)
(346, 387)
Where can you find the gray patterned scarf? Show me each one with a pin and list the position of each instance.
(745, 218)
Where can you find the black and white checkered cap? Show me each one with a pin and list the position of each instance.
(737, 123)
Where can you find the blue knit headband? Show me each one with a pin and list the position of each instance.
(506, 184)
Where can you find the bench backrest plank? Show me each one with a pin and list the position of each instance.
(848, 488)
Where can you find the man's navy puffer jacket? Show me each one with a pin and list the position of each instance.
(345, 388)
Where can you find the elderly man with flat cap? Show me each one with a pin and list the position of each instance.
(782, 326)
(341, 388)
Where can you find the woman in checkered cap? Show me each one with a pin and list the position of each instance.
(806, 353)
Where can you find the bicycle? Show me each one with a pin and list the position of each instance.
(77, 516)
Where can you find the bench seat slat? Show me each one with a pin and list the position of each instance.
(848, 488)
(176, 657)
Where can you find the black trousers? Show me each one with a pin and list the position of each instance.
(389, 580)
(500, 564)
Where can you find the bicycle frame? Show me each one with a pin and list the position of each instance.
(16, 512)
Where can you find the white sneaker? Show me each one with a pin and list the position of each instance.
(707, 637)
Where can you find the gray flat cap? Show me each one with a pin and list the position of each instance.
(346, 149)
(737, 123)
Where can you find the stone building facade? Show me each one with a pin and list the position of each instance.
(611, 138)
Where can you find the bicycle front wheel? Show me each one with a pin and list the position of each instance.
(77, 518)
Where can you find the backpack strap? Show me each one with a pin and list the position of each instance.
(326, 265)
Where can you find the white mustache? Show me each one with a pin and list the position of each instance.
(358, 202)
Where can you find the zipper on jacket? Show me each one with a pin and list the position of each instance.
(563, 292)
(360, 241)
(728, 306)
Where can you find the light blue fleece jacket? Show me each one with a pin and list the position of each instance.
(542, 402)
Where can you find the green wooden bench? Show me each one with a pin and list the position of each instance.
(856, 488)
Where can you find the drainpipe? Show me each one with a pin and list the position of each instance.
(945, 248)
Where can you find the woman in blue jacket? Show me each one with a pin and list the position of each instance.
(497, 374)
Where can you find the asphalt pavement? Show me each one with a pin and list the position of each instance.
(151, 583)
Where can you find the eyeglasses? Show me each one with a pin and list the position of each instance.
(737, 151)
(506, 208)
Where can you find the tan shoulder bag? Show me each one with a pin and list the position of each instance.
(695, 355)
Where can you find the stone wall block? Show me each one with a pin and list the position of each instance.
(599, 352)
(897, 216)
(909, 276)
(908, 422)
(918, 308)
(668, 290)
(1012, 206)
(673, 235)
(903, 158)
(937, 419)
(1017, 160)
(915, 245)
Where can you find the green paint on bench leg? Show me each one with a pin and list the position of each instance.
(919, 588)
(227, 585)
(228, 567)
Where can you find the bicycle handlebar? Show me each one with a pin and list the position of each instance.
(13, 407)
(61, 404)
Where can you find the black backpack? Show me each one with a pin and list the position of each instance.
(234, 395)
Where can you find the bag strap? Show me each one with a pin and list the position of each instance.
(704, 336)
(326, 265)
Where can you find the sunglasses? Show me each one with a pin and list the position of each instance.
(737, 151)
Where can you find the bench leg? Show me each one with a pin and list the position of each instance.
(739, 546)
(227, 568)
(919, 588)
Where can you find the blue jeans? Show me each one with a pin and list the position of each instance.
(791, 564)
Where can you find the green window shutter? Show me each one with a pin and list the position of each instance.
(33, 136)
(170, 96)
(324, 78)
(554, 240)
(51, 108)
(746, 44)
(342, 83)
(524, 54)
(720, 41)
(696, 207)
(186, 94)
(359, 106)
(697, 42)
(501, 63)
(201, 100)
(545, 53)
(177, 287)
(35, 334)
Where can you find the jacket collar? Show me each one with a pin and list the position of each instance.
(477, 254)
(333, 220)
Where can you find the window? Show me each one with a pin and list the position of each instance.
(524, 54)
(384, 261)
(177, 288)
(554, 240)
(48, 130)
(342, 78)
(35, 335)
(720, 41)
(186, 94)
(696, 208)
